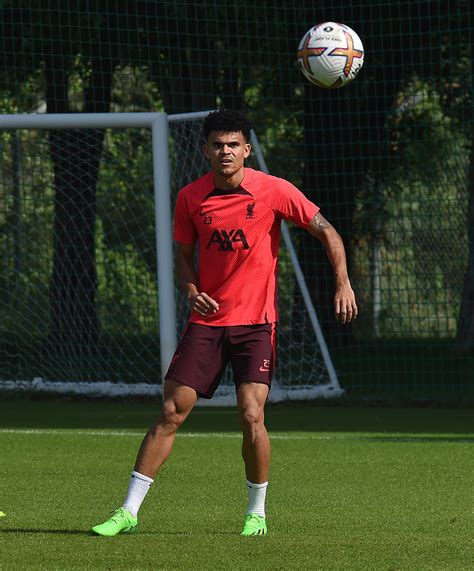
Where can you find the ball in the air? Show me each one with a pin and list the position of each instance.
(330, 55)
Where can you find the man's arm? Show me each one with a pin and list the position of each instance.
(344, 298)
(198, 300)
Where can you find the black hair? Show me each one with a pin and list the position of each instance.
(229, 121)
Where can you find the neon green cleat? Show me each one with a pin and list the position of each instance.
(254, 525)
(122, 521)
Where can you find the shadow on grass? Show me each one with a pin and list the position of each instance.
(38, 531)
(414, 439)
(317, 417)
(34, 531)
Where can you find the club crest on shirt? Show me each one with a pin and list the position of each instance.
(250, 211)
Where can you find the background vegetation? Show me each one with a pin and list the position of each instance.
(388, 159)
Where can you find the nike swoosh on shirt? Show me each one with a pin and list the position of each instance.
(264, 370)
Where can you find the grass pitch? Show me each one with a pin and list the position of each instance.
(350, 488)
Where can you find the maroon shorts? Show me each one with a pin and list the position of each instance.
(204, 351)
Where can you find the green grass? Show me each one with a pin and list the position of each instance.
(350, 488)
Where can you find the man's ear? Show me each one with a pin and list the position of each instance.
(248, 148)
(205, 151)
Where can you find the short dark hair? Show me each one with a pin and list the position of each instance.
(229, 121)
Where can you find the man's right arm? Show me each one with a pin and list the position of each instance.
(199, 301)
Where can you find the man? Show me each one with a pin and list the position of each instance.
(233, 213)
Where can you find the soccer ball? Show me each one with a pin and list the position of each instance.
(330, 55)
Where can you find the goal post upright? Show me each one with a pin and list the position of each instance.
(164, 245)
(163, 232)
(158, 124)
(301, 280)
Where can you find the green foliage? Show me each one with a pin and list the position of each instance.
(26, 214)
(412, 103)
(417, 211)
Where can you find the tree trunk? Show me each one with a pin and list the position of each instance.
(76, 156)
(465, 332)
(333, 171)
(186, 77)
(341, 134)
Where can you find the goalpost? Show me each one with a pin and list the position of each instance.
(145, 159)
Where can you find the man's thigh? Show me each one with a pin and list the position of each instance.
(252, 353)
(200, 359)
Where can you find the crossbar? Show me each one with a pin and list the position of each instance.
(90, 120)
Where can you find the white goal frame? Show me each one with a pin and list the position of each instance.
(158, 123)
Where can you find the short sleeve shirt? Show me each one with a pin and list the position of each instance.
(238, 233)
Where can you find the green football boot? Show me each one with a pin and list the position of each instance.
(254, 525)
(122, 521)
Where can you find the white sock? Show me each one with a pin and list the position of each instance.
(257, 494)
(137, 490)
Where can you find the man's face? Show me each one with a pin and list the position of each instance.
(226, 152)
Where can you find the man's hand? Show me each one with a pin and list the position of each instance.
(199, 301)
(203, 304)
(345, 303)
(344, 299)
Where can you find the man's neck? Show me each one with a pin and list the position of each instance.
(228, 183)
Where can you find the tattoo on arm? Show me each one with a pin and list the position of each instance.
(320, 223)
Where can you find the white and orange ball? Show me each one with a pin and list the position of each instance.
(330, 55)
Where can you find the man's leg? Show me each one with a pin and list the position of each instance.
(251, 399)
(178, 401)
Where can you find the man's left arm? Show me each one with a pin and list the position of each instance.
(344, 299)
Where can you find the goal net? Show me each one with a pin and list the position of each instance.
(84, 309)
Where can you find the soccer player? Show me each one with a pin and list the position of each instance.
(233, 214)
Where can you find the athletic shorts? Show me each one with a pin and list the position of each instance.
(204, 352)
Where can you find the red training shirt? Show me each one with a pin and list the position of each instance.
(238, 232)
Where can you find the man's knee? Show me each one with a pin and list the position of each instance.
(178, 402)
(251, 416)
(169, 420)
(251, 399)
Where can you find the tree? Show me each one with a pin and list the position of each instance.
(201, 56)
(340, 135)
(465, 332)
(346, 140)
(76, 158)
(37, 28)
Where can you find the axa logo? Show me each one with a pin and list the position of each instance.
(225, 239)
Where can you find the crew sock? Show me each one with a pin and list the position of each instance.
(257, 494)
(137, 490)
